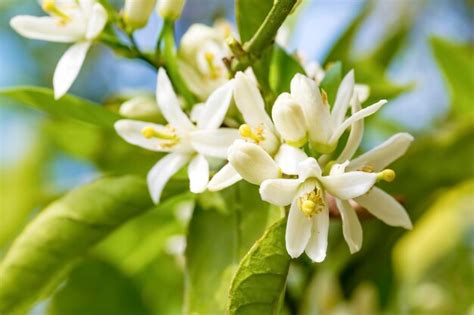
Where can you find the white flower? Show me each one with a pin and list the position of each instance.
(137, 12)
(170, 9)
(201, 52)
(79, 22)
(325, 127)
(308, 220)
(258, 129)
(184, 141)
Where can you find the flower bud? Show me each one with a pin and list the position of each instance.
(170, 9)
(137, 12)
(252, 162)
(289, 120)
(140, 107)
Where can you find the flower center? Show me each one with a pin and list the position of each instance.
(52, 8)
(168, 135)
(255, 134)
(311, 203)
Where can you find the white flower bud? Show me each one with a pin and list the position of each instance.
(170, 9)
(140, 107)
(137, 12)
(252, 162)
(289, 120)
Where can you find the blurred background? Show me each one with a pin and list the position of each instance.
(416, 53)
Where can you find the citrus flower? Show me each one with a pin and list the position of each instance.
(185, 142)
(201, 52)
(79, 22)
(137, 12)
(326, 126)
(258, 129)
(308, 219)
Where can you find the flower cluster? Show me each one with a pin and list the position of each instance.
(289, 155)
(230, 136)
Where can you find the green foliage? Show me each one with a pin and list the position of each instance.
(217, 239)
(283, 67)
(457, 65)
(259, 283)
(67, 107)
(97, 288)
(63, 232)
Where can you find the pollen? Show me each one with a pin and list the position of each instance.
(255, 134)
(311, 203)
(168, 133)
(387, 175)
(324, 96)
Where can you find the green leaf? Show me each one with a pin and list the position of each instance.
(68, 106)
(259, 283)
(218, 237)
(457, 64)
(101, 146)
(283, 67)
(97, 288)
(63, 232)
(331, 81)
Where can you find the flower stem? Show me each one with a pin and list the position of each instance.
(171, 64)
(264, 36)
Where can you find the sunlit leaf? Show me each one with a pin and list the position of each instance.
(63, 232)
(436, 232)
(457, 64)
(67, 107)
(97, 288)
(259, 283)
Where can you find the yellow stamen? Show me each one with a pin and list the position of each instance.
(311, 203)
(366, 168)
(214, 70)
(387, 175)
(255, 135)
(169, 134)
(50, 7)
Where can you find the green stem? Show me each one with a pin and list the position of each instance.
(265, 34)
(171, 63)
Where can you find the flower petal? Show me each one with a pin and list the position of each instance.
(351, 227)
(216, 107)
(384, 154)
(369, 110)
(163, 170)
(227, 176)
(46, 28)
(385, 207)
(289, 120)
(131, 131)
(68, 68)
(252, 162)
(343, 97)
(349, 185)
(250, 103)
(198, 172)
(309, 168)
(298, 231)
(318, 119)
(169, 103)
(288, 158)
(318, 243)
(214, 142)
(96, 22)
(279, 192)
(355, 136)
